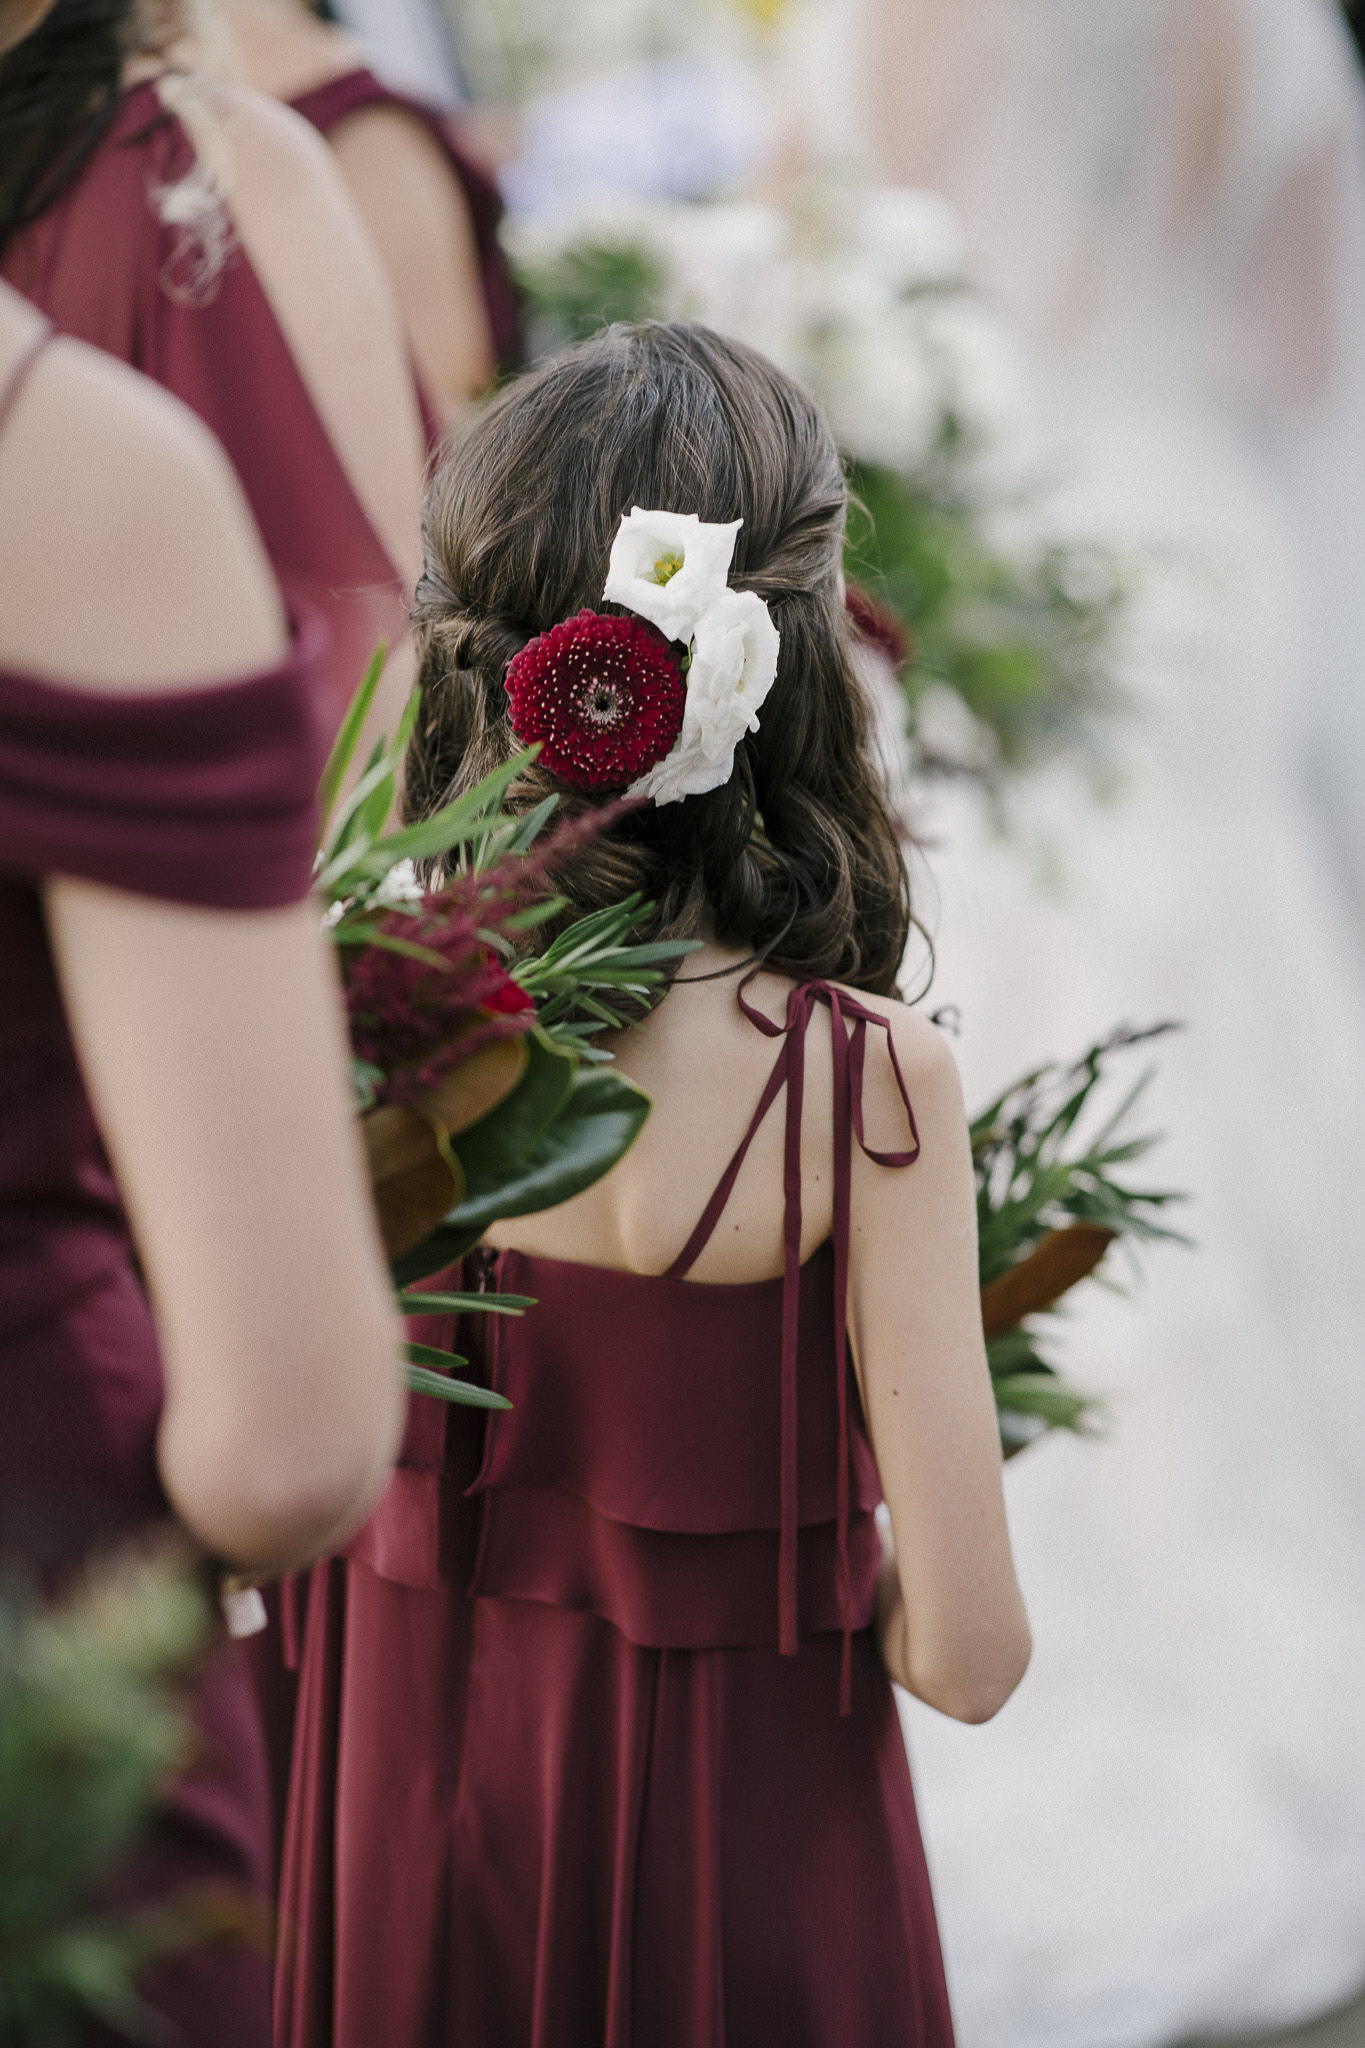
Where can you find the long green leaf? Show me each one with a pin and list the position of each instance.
(431, 837)
(430, 1354)
(461, 1392)
(465, 1304)
(344, 745)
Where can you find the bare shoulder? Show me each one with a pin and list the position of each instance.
(270, 144)
(922, 1054)
(400, 172)
(113, 492)
(318, 266)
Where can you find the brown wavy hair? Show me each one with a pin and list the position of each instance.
(796, 858)
(60, 90)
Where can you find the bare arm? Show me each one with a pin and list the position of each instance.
(414, 207)
(327, 287)
(212, 1047)
(329, 291)
(952, 1619)
(211, 1041)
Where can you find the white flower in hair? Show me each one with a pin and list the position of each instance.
(733, 667)
(669, 566)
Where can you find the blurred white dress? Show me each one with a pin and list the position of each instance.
(1164, 1833)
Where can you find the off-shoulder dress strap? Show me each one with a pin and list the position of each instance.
(13, 388)
(205, 796)
(850, 1020)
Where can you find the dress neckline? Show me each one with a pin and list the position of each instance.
(774, 1280)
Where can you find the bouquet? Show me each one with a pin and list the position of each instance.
(481, 1090)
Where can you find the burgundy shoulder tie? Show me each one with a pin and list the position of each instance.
(849, 1019)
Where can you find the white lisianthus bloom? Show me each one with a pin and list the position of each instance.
(733, 667)
(669, 566)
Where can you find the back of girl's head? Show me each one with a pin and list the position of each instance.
(795, 857)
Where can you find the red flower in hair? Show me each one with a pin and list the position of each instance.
(604, 695)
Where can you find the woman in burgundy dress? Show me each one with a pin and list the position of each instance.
(198, 231)
(433, 211)
(598, 1747)
(171, 1066)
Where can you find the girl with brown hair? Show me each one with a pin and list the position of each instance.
(598, 1742)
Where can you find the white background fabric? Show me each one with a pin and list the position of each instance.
(1165, 1831)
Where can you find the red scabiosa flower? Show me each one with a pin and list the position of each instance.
(603, 695)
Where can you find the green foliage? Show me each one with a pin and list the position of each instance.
(590, 978)
(567, 1121)
(1023, 638)
(586, 286)
(599, 1122)
(1037, 1171)
(91, 1730)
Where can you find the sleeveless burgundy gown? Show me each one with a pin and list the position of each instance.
(205, 797)
(595, 1748)
(328, 105)
(104, 267)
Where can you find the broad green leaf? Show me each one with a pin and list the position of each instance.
(489, 1149)
(440, 1248)
(598, 1124)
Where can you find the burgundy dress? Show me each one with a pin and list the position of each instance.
(104, 267)
(595, 1748)
(203, 798)
(327, 106)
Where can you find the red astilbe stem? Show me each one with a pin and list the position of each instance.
(415, 1020)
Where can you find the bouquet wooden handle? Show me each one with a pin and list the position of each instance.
(1055, 1265)
(415, 1180)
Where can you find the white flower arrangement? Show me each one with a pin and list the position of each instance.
(672, 569)
(668, 567)
(862, 294)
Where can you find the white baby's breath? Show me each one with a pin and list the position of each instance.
(669, 567)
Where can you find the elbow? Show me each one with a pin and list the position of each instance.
(269, 1501)
(974, 1690)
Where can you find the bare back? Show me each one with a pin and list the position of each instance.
(953, 1627)
(704, 1066)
